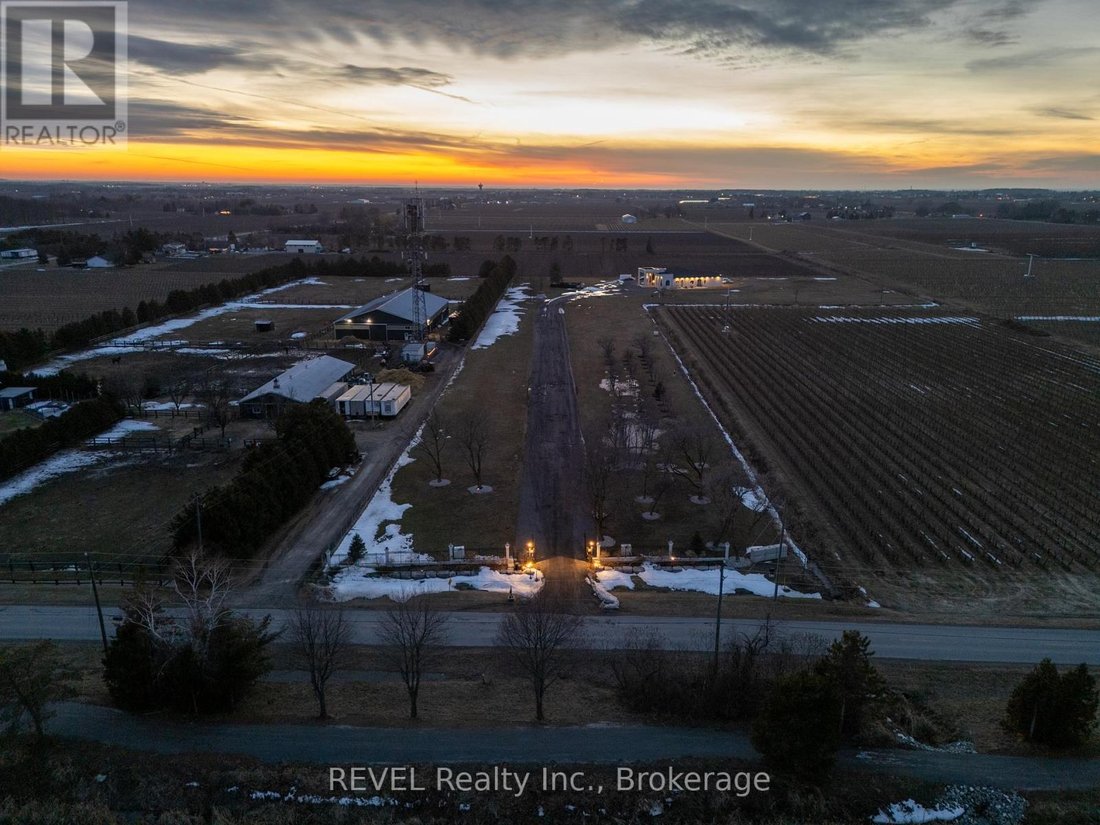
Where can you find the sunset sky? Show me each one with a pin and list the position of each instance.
(638, 93)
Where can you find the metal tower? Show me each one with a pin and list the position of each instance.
(415, 257)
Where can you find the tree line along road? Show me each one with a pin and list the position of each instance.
(942, 643)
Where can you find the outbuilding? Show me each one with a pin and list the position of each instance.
(390, 317)
(300, 384)
(98, 262)
(304, 247)
(19, 254)
(14, 398)
(369, 400)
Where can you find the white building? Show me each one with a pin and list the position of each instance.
(629, 219)
(304, 247)
(367, 400)
(19, 254)
(98, 262)
(660, 278)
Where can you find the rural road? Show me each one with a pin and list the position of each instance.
(551, 501)
(327, 520)
(341, 745)
(944, 643)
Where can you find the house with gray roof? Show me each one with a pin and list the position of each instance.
(300, 384)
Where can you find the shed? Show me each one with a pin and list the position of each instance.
(19, 254)
(364, 401)
(265, 325)
(304, 247)
(13, 398)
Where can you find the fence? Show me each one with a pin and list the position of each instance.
(57, 573)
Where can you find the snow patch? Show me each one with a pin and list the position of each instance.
(913, 812)
(505, 319)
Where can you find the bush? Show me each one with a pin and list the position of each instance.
(1051, 709)
(210, 672)
(797, 730)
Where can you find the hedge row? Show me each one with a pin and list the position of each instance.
(479, 306)
(24, 448)
(276, 480)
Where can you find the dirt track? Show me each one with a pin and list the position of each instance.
(552, 511)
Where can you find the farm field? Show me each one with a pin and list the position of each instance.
(992, 282)
(914, 443)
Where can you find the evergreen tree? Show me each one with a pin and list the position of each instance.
(1051, 709)
(848, 666)
(797, 730)
(357, 549)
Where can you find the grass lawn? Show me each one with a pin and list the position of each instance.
(493, 387)
(17, 420)
(107, 509)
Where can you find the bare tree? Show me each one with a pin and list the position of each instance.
(697, 448)
(537, 636)
(607, 346)
(217, 395)
(203, 585)
(126, 387)
(600, 460)
(31, 679)
(644, 345)
(321, 636)
(433, 443)
(413, 631)
(179, 390)
(473, 435)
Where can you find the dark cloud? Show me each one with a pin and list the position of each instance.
(991, 37)
(504, 28)
(1063, 114)
(1031, 59)
(187, 58)
(386, 76)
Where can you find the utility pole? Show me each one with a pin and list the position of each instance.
(718, 614)
(197, 499)
(779, 559)
(98, 607)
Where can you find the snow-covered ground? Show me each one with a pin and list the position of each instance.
(702, 581)
(849, 319)
(114, 347)
(1082, 318)
(904, 813)
(68, 461)
(505, 320)
(356, 584)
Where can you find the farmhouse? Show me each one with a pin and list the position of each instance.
(13, 398)
(661, 278)
(365, 401)
(19, 254)
(304, 247)
(300, 384)
(390, 317)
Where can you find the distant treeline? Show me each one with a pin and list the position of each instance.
(24, 448)
(275, 481)
(480, 305)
